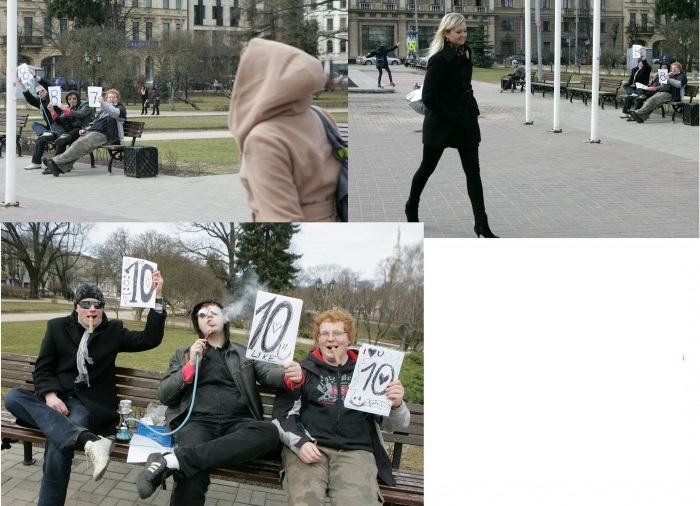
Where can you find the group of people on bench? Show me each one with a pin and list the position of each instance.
(329, 450)
(75, 128)
(639, 102)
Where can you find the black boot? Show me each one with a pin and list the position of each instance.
(481, 228)
(411, 211)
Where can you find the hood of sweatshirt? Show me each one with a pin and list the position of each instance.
(273, 79)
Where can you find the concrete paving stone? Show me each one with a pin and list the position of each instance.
(105, 485)
(19, 493)
(258, 498)
(244, 495)
(90, 486)
(88, 496)
(123, 493)
(11, 482)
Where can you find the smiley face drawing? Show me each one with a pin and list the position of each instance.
(358, 399)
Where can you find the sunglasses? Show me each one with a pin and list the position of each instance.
(85, 304)
(203, 313)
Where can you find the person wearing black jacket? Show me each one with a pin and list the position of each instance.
(383, 62)
(226, 426)
(672, 90)
(75, 393)
(639, 74)
(329, 449)
(43, 131)
(451, 117)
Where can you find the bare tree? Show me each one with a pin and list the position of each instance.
(63, 265)
(38, 245)
(218, 254)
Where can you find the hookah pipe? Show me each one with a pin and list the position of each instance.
(189, 411)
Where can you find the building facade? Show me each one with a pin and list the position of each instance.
(332, 19)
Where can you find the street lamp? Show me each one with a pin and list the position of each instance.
(93, 62)
(324, 290)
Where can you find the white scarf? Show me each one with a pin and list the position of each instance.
(82, 358)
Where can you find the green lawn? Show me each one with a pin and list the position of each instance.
(160, 123)
(35, 307)
(493, 75)
(196, 157)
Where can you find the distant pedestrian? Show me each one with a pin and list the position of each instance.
(383, 62)
(143, 93)
(288, 167)
(155, 98)
(451, 117)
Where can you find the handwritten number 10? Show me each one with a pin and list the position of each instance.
(374, 376)
(269, 317)
(145, 295)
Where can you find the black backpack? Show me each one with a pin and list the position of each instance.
(340, 151)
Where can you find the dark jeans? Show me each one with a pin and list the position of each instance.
(61, 435)
(39, 147)
(144, 105)
(470, 166)
(63, 143)
(156, 108)
(205, 445)
(379, 80)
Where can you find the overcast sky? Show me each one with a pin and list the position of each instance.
(357, 246)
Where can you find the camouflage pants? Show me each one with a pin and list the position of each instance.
(82, 146)
(348, 477)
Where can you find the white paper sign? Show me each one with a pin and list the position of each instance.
(376, 367)
(55, 94)
(274, 329)
(24, 74)
(641, 86)
(663, 76)
(93, 93)
(637, 51)
(137, 283)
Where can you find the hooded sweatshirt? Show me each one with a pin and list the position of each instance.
(287, 163)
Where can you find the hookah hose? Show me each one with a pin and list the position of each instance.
(189, 411)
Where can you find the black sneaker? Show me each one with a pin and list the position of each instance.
(54, 168)
(152, 476)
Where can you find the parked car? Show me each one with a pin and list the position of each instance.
(521, 58)
(66, 84)
(372, 60)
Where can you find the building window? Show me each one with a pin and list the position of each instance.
(48, 29)
(63, 26)
(135, 30)
(28, 27)
(329, 25)
(166, 27)
(506, 3)
(545, 26)
(644, 21)
(329, 46)
(343, 4)
(166, 4)
(199, 14)
(565, 27)
(178, 4)
(507, 25)
(343, 46)
(633, 19)
(218, 13)
(343, 24)
(546, 4)
(147, 3)
(373, 36)
(135, 3)
(602, 28)
(149, 67)
(235, 16)
(149, 31)
(178, 27)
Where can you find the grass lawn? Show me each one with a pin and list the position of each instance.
(36, 307)
(160, 123)
(493, 75)
(196, 157)
(222, 102)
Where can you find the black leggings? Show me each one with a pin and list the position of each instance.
(379, 80)
(470, 166)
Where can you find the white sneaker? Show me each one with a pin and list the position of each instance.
(47, 134)
(33, 166)
(98, 453)
(624, 115)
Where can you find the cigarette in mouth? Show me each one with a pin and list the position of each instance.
(91, 327)
(335, 354)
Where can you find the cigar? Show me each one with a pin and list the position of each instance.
(335, 354)
(91, 327)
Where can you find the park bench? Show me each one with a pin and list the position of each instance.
(607, 91)
(583, 89)
(132, 129)
(141, 388)
(547, 83)
(21, 123)
(691, 91)
(516, 83)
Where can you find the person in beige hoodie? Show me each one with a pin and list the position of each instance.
(287, 164)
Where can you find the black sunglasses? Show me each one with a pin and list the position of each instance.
(85, 304)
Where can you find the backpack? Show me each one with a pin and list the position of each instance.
(340, 151)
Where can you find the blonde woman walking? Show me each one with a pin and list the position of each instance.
(451, 117)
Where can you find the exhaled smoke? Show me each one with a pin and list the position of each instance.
(244, 298)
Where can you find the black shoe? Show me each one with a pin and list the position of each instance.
(636, 117)
(46, 171)
(54, 168)
(411, 210)
(481, 228)
(153, 476)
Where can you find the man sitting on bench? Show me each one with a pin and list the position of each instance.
(226, 426)
(673, 90)
(75, 396)
(330, 449)
(517, 75)
(107, 128)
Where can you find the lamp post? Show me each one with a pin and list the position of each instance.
(359, 310)
(93, 62)
(685, 44)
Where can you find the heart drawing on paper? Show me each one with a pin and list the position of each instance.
(276, 326)
(383, 378)
(371, 351)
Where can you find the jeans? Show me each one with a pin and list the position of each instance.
(379, 80)
(61, 435)
(204, 445)
(39, 128)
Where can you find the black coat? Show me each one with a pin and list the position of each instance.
(56, 367)
(451, 115)
(638, 75)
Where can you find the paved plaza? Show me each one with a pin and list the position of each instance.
(20, 485)
(640, 181)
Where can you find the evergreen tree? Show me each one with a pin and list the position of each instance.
(478, 41)
(264, 249)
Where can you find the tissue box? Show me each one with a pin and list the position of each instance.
(158, 438)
